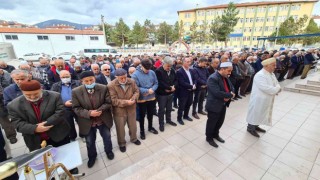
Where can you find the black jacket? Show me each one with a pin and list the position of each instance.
(217, 93)
(165, 82)
(201, 75)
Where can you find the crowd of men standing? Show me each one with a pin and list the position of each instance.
(42, 102)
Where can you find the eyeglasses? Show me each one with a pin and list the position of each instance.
(106, 70)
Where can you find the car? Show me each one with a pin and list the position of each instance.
(68, 55)
(34, 56)
(163, 53)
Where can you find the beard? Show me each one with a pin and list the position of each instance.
(35, 100)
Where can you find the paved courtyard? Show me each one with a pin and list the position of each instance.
(289, 149)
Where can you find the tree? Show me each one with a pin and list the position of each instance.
(181, 30)
(164, 32)
(290, 27)
(149, 31)
(137, 35)
(229, 20)
(204, 36)
(217, 30)
(311, 29)
(120, 33)
(194, 32)
(175, 32)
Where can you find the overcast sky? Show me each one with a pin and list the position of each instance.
(89, 11)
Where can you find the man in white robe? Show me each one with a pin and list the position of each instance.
(265, 88)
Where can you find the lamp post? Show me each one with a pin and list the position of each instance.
(103, 29)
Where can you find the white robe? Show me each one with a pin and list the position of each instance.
(265, 87)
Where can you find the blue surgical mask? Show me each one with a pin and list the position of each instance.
(90, 86)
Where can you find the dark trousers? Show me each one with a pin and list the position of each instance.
(244, 85)
(175, 99)
(3, 157)
(250, 84)
(214, 123)
(199, 96)
(184, 105)
(282, 74)
(7, 127)
(70, 116)
(165, 107)
(146, 107)
(299, 70)
(65, 141)
(91, 140)
(237, 85)
(291, 73)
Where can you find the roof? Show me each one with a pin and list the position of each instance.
(261, 3)
(316, 17)
(48, 31)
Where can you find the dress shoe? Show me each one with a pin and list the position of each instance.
(243, 95)
(91, 162)
(235, 98)
(110, 155)
(181, 122)
(74, 171)
(161, 128)
(153, 130)
(142, 135)
(203, 113)
(171, 123)
(260, 129)
(123, 149)
(195, 115)
(137, 142)
(13, 140)
(212, 143)
(253, 133)
(219, 139)
(239, 97)
(188, 118)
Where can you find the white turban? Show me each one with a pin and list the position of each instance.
(268, 61)
(226, 64)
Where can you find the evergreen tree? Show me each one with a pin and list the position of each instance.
(120, 33)
(164, 33)
(137, 35)
(312, 28)
(175, 36)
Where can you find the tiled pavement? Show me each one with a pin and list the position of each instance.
(289, 149)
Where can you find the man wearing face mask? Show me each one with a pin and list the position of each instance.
(220, 92)
(124, 95)
(91, 102)
(64, 87)
(39, 115)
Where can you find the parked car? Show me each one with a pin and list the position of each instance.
(34, 56)
(68, 55)
(163, 53)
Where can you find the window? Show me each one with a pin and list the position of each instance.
(251, 19)
(187, 15)
(70, 38)
(247, 20)
(11, 37)
(94, 38)
(266, 28)
(43, 37)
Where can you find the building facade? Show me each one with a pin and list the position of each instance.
(50, 41)
(257, 19)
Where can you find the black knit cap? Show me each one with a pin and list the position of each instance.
(86, 74)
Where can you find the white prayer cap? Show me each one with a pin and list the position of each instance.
(268, 61)
(226, 64)
(77, 64)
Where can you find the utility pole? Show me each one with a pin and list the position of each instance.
(103, 29)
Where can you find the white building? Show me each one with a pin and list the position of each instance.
(316, 19)
(50, 41)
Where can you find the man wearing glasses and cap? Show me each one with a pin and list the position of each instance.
(105, 77)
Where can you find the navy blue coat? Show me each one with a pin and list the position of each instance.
(217, 93)
(184, 87)
(102, 80)
(308, 59)
(201, 75)
(294, 62)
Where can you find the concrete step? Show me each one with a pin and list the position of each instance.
(308, 87)
(302, 91)
(313, 82)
